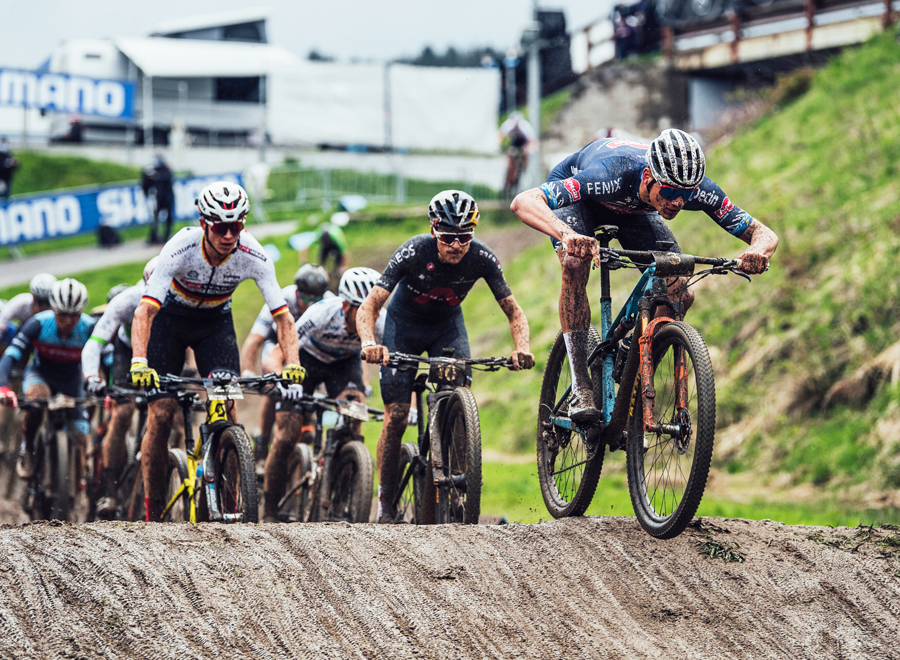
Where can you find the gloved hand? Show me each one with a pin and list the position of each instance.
(294, 373)
(248, 373)
(292, 392)
(522, 360)
(143, 376)
(8, 397)
(95, 385)
(413, 418)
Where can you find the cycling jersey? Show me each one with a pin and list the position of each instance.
(184, 280)
(263, 323)
(432, 290)
(57, 359)
(116, 320)
(607, 174)
(323, 332)
(17, 309)
(519, 131)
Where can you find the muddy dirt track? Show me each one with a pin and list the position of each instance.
(578, 588)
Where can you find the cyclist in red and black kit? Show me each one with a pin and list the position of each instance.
(432, 274)
(634, 187)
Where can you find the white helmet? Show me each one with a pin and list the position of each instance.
(42, 286)
(148, 269)
(69, 297)
(676, 159)
(223, 201)
(356, 284)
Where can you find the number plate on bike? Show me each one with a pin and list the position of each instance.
(61, 401)
(447, 371)
(353, 409)
(222, 392)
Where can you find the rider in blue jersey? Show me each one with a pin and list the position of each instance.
(56, 337)
(634, 187)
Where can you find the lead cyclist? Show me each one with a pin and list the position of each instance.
(187, 304)
(633, 186)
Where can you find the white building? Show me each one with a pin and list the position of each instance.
(215, 81)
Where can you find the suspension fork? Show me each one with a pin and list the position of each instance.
(648, 392)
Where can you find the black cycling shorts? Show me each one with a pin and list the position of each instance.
(337, 376)
(210, 334)
(121, 364)
(637, 231)
(404, 335)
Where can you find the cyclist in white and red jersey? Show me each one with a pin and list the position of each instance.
(23, 306)
(187, 304)
(114, 327)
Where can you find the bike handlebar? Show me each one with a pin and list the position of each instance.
(406, 361)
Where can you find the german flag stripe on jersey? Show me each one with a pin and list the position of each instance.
(151, 301)
(182, 291)
(280, 310)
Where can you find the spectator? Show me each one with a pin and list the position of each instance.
(156, 182)
(8, 166)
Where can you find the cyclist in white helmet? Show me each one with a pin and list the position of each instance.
(56, 337)
(114, 328)
(187, 304)
(430, 275)
(329, 351)
(25, 305)
(634, 187)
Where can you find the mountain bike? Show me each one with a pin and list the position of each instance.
(450, 440)
(10, 437)
(59, 488)
(342, 465)
(216, 479)
(654, 388)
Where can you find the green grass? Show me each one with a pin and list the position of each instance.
(41, 171)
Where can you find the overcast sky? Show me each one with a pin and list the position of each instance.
(346, 29)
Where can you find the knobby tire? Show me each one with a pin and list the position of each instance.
(350, 491)
(176, 473)
(461, 452)
(568, 492)
(299, 467)
(666, 479)
(236, 489)
(409, 508)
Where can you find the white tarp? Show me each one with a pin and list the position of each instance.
(444, 108)
(196, 58)
(324, 102)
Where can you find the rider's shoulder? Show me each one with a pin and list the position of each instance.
(252, 248)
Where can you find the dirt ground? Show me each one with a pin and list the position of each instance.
(576, 588)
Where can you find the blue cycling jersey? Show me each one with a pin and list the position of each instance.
(55, 358)
(608, 173)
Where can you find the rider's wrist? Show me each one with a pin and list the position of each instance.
(139, 360)
(368, 344)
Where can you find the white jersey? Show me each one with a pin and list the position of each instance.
(117, 318)
(263, 324)
(19, 307)
(324, 335)
(185, 279)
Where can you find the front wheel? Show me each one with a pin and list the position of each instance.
(667, 469)
(292, 507)
(350, 492)
(459, 486)
(176, 474)
(412, 484)
(235, 490)
(568, 467)
(58, 465)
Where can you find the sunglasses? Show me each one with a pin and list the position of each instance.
(309, 299)
(222, 228)
(670, 193)
(450, 237)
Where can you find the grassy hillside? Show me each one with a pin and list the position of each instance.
(41, 171)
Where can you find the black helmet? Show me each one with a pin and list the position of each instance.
(676, 159)
(453, 209)
(311, 280)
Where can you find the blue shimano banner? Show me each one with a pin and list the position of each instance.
(60, 92)
(66, 213)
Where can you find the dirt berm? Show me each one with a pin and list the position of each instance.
(578, 588)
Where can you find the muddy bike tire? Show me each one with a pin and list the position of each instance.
(350, 491)
(58, 464)
(300, 464)
(567, 474)
(409, 506)
(176, 473)
(667, 473)
(79, 493)
(460, 502)
(236, 489)
(9, 450)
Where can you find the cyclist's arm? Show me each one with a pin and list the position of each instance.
(250, 351)
(532, 208)
(287, 336)
(763, 242)
(274, 361)
(369, 312)
(518, 324)
(140, 329)
(21, 348)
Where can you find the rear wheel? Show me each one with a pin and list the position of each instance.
(568, 467)
(293, 504)
(176, 473)
(58, 465)
(79, 481)
(459, 490)
(236, 477)
(350, 492)
(10, 437)
(667, 470)
(412, 484)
